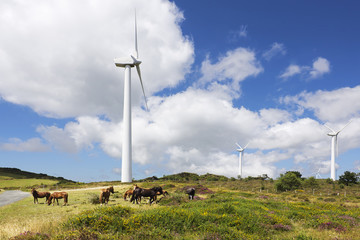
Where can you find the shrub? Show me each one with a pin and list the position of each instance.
(311, 183)
(94, 198)
(348, 178)
(30, 236)
(288, 181)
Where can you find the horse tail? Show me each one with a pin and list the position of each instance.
(66, 198)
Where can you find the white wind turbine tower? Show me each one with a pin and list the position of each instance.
(127, 63)
(241, 156)
(334, 148)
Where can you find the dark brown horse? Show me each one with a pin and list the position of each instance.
(143, 192)
(105, 195)
(57, 196)
(37, 195)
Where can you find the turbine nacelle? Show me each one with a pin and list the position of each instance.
(130, 61)
(241, 149)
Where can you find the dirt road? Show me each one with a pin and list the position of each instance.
(8, 197)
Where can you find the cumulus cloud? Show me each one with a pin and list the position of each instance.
(334, 106)
(236, 66)
(57, 60)
(320, 67)
(30, 145)
(291, 71)
(276, 48)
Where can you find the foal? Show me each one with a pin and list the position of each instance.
(105, 195)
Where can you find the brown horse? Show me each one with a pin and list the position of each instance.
(105, 195)
(57, 196)
(128, 193)
(37, 195)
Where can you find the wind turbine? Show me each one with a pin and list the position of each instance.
(318, 176)
(241, 156)
(334, 145)
(127, 63)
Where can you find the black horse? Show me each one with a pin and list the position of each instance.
(143, 192)
(191, 193)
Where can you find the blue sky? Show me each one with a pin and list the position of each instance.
(215, 73)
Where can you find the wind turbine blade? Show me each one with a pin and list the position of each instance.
(246, 145)
(238, 145)
(329, 128)
(136, 45)
(142, 86)
(345, 126)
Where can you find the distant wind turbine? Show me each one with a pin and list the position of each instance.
(317, 174)
(334, 148)
(128, 63)
(241, 156)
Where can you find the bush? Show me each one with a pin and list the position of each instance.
(30, 236)
(288, 181)
(311, 183)
(94, 198)
(348, 178)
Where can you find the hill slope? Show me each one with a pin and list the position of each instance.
(15, 173)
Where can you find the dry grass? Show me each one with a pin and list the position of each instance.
(24, 215)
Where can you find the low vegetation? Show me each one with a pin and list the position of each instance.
(251, 208)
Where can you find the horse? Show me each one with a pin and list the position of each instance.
(105, 195)
(37, 195)
(191, 193)
(143, 192)
(128, 193)
(57, 196)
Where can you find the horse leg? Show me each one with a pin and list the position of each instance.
(57, 201)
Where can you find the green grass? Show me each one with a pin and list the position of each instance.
(220, 216)
(25, 183)
(231, 210)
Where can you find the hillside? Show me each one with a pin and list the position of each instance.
(14, 178)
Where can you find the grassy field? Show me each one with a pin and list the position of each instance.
(222, 210)
(24, 183)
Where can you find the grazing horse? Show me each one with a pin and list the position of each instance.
(37, 195)
(57, 196)
(143, 192)
(191, 193)
(128, 193)
(105, 195)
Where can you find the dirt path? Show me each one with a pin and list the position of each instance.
(8, 197)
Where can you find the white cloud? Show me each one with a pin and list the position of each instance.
(276, 48)
(291, 71)
(241, 33)
(57, 60)
(30, 145)
(196, 131)
(320, 67)
(335, 106)
(236, 66)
